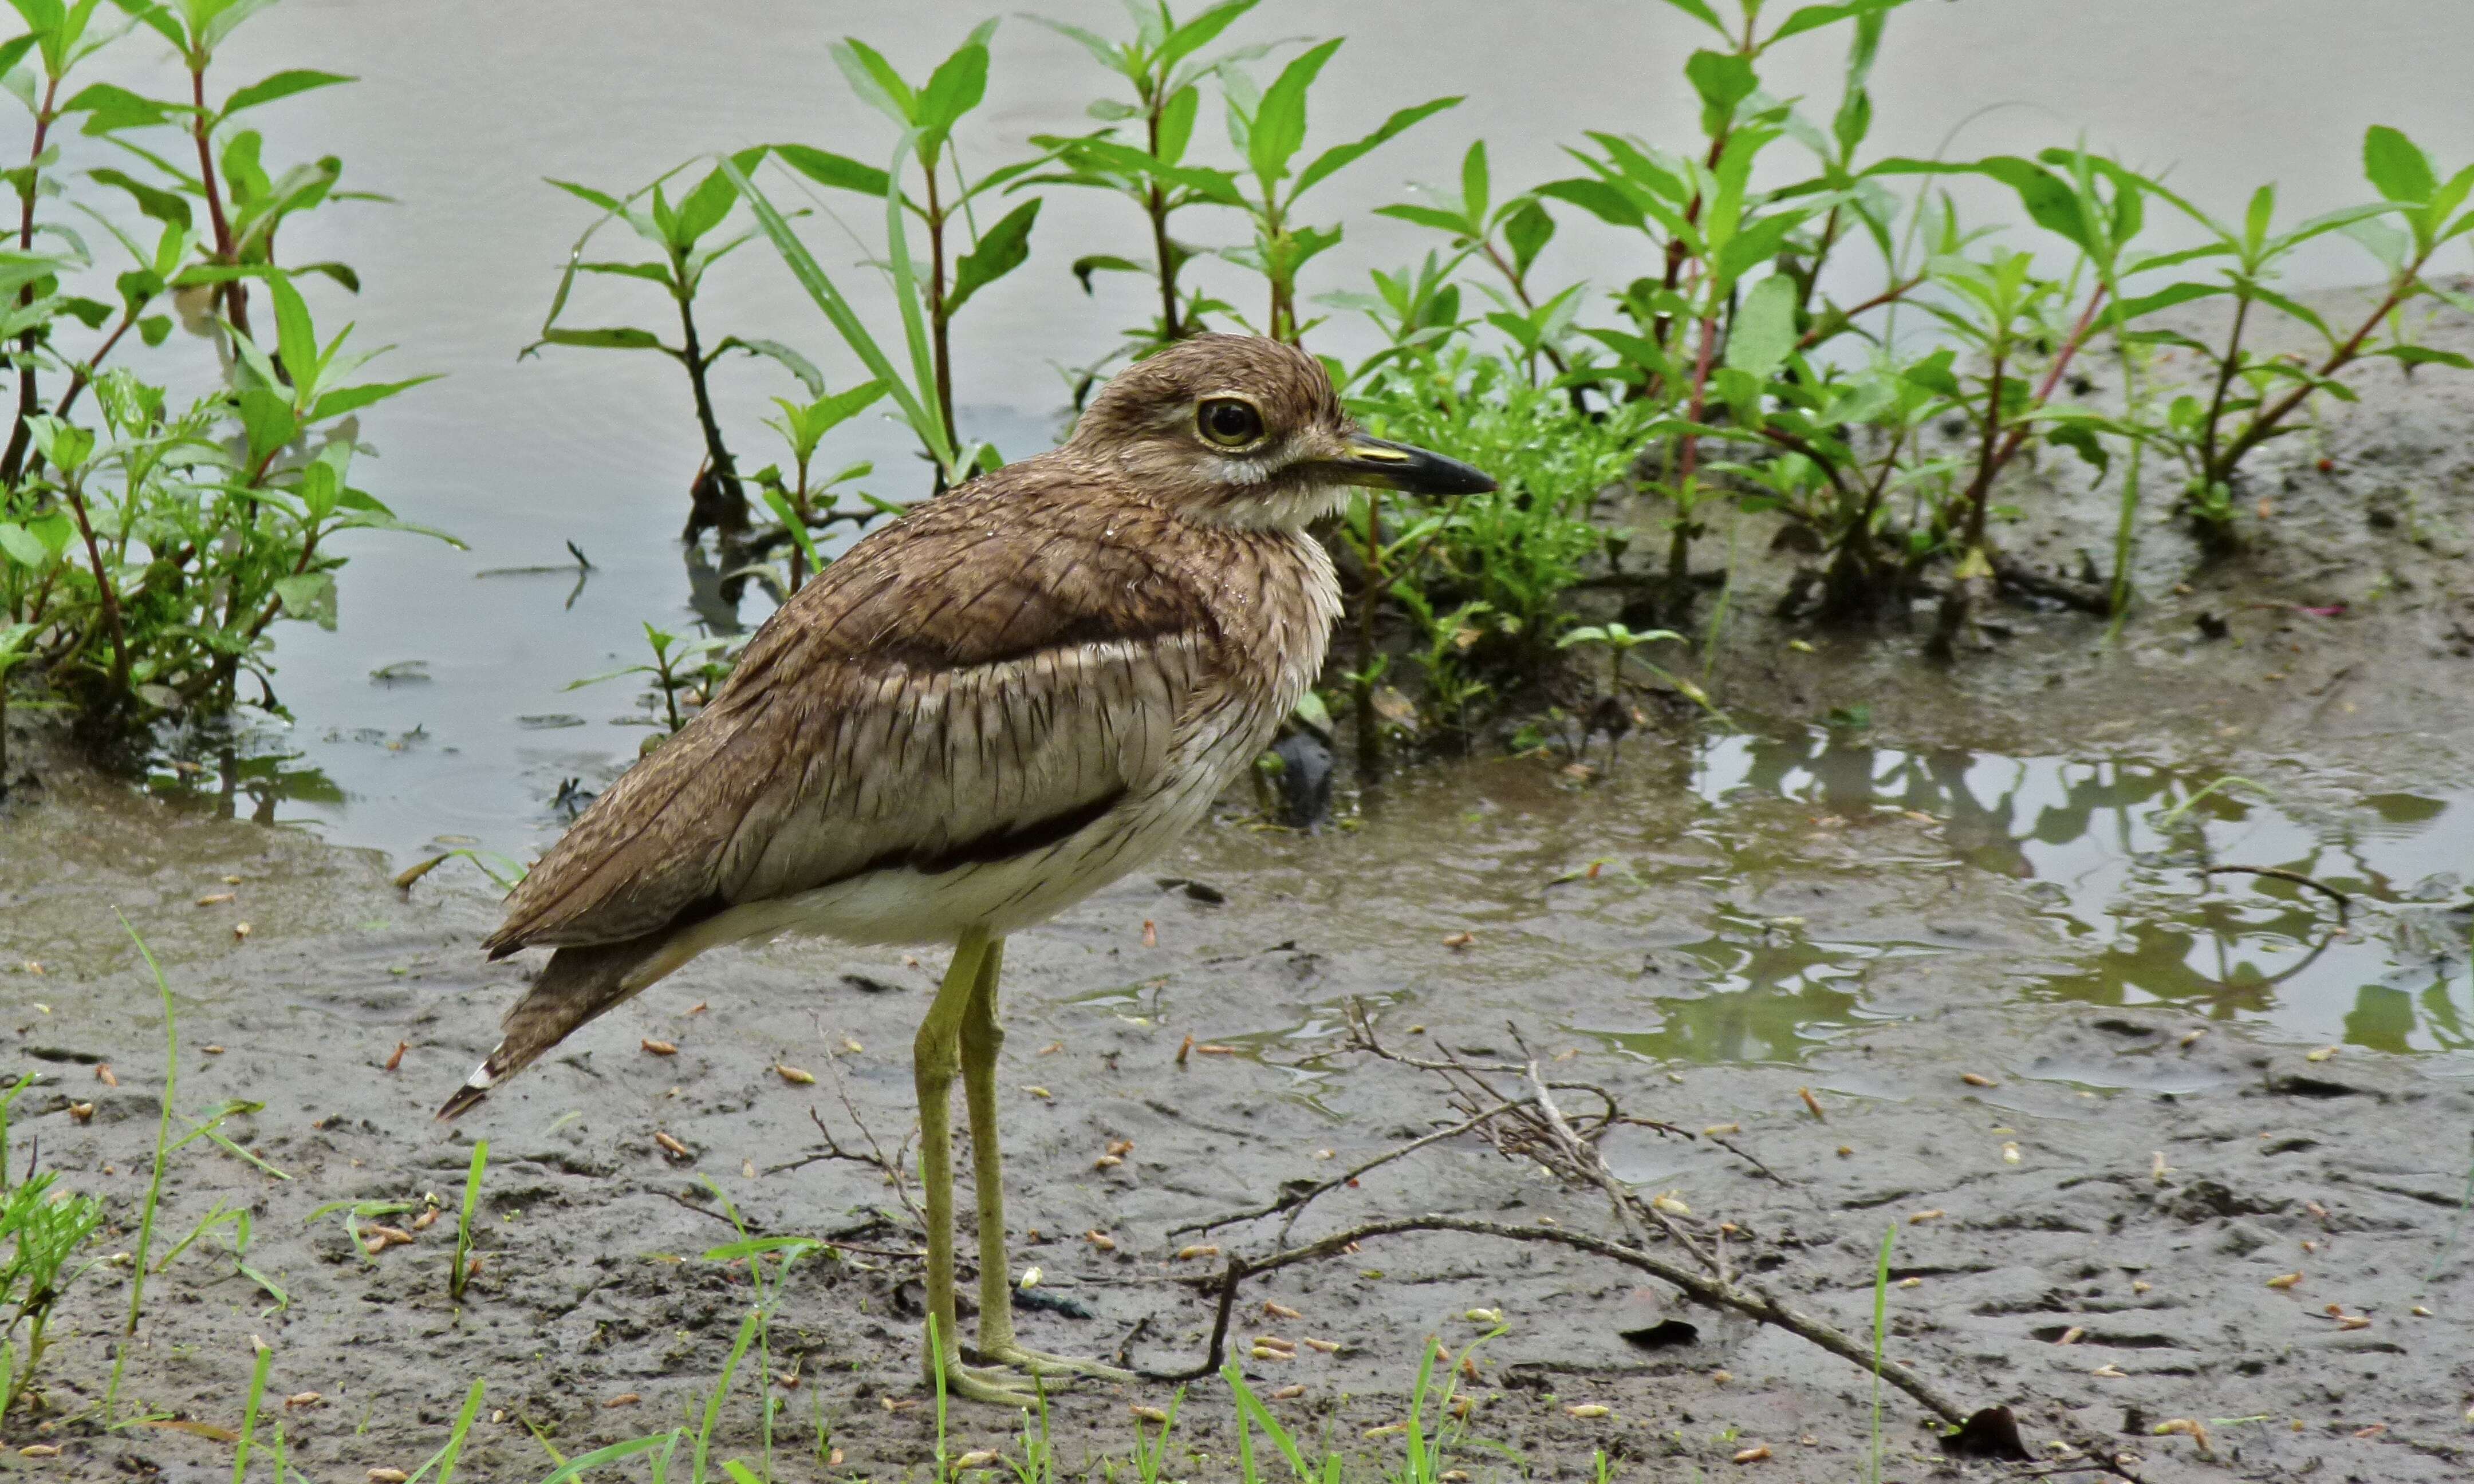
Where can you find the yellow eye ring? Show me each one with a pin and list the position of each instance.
(1229, 421)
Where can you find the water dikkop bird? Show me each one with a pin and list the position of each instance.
(987, 710)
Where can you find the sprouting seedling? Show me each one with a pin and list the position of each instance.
(803, 425)
(1620, 642)
(1880, 1334)
(670, 669)
(461, 1272)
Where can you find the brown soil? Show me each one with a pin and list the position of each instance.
(2161, 1182)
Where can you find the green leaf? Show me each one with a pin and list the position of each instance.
(1341, 155)
(1199, 32)
(282, 84)
(797, 364)
(873, 78)
(165, 207)
(1426, 216)
(2425, 355)
(267, 417)
(1475, 181)
(2397, 167)
(1104, 262)
(1176, 121)
(20, 546)
(1280, 128)
(296, 338)
(1763, 333)
(615, 338)
(1699, 9)
(1527, 233)
(1002, 249)
(780, 505)
(1597, 198)
(588, 194)
(1723, 80)
(702, 210)
(1812, 17)
(650, 272)
(337, 403)
(111, 108)
(308, 595)
(955, 88)
(839, 171)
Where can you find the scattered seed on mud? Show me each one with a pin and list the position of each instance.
(1717, 1128)
(388, 1476)
(1266, 1352)
(2420, 1311)
(1912, 1282)
(103, 1074)
(1101, 1240)
(40, 1451)
(1148, 1414)
(795, 1076)
(1151, 934)
(2010, 1152)
(1590, 1409)
(1668, 1203)
(1212, 1048)
(2188, 1428)
(976, 1458)
(2320, 1055)
(374, 1245)
(696, 1009)
(1199, 1250)
(1722, 1377)
(852, 1046)
(394, 1057)
(82, 1112)
(1815, 1104)
(1978, 1080)
(2071, 1336)
(1327, 1346)
(212, 1050)
(661, 1048)
(1461, 939)
(1289, 1393)
(2371, 1431)
(240, 930)
(2157, 1168)
(214, 899)
(1279, 1311)
(1185, 1049)
(2285, 1279)
(1277, 1343)
(2190, 1038)
(1484, 1316)
(394, 1235)
(623, 1399)
(2109, 1370)
(1108, 1162)
(302, 1398)
(673, 1146)
(421, 1222)
(1030, 1277)
(1922, 1216)
(1846, 1151)
(1751, 1455)
(2141, 1286)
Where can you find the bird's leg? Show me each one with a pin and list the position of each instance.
(981, 1037)
(933, 1059)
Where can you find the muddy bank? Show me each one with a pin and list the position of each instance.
(592, 1286)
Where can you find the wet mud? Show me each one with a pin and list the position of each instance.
(2109, 1103)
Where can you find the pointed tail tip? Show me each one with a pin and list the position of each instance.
(464, 1098)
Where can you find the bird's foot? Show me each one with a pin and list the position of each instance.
(1041, 1364)
(994, 1385)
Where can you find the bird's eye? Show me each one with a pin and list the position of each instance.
(1229, 421)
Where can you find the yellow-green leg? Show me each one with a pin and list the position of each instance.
(980, 1037)
(934, 1057)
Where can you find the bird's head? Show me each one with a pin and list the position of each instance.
(1237, 430)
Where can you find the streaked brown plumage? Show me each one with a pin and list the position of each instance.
(987, 710)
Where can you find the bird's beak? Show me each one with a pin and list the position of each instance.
(1366, 460)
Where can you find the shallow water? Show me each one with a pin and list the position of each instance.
(437, 714)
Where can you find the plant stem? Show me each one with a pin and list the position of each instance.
(728, 512)
(2224, 379)
(84, 374)
(2264, 424)
(111, 600)
(1979, 488)
(236, 294)
(937, 322)
(1156, 206)
(14, 462)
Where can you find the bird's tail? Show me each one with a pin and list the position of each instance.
(577, 984)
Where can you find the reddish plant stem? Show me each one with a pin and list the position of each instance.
(14, 462)
(103, 588)
(1981, 488)
(2263, 426)
(1838, 319)
(236, 294)
(2224, 380)
(85, 374)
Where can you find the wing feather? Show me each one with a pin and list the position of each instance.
(952, 679)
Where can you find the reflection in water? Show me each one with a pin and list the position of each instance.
(236, 772)
(2111, 847)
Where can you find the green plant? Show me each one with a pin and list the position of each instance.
(43, 1227)
(1160, 66)
(460, 1265)
(690, 238)
(677, 665)
(1881, 1336)
(794, 502)
(145, 552)
(238, 1220)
